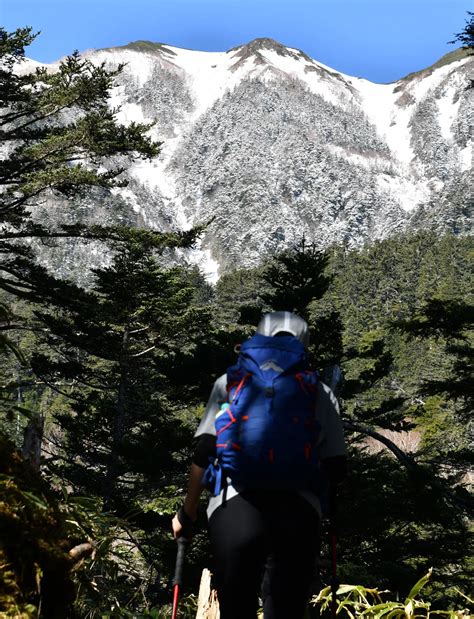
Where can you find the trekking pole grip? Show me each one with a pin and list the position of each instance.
(182, 547)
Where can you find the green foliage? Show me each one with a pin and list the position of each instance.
(449, 322)
(55, 125)
(466, 36)
(114, 574)
(367, 394)
(117, 375)
(35, 567)
(405, 519)
(358, 601)
(130, 345)
(58, 131)
(134, 355)
(238, 299)
(6, 320)
(107, 361)
(295, 278)
(410, 511)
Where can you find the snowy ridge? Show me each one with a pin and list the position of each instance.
(271, 144)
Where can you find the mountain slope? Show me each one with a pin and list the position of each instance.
(272, 145)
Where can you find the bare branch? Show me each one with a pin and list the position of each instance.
(404, 458)
(414, 399)
(144, 352)
(81, 551)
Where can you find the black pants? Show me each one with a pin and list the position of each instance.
(269, 535)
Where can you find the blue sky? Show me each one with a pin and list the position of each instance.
(381, 40)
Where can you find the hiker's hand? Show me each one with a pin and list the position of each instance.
(177, 528)
(182, 525)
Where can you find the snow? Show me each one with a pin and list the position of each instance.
(201, 257)
(296, 68)
(420, 85)
(130, 112)
(139, 64)
(209, 75)
(390, 120)
(152, 173)
(447, 111)
(408, 194)
(369, 162)
(465, 157)
(205, 77)
(28, 65)
(129, 196)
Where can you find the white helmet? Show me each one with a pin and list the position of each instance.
(287, 322)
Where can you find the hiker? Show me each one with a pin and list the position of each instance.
(263, 523)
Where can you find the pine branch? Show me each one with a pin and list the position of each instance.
(19, 326)
(38, 118)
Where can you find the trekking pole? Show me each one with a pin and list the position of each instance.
(333, 543)
(178, 572)
(335, 380)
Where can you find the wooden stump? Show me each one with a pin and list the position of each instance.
(208, 606)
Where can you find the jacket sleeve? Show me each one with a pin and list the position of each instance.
(205, 450)
(218, 396)
(331, 441)
(332, 447)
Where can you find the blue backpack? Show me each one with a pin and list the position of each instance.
(267, 431)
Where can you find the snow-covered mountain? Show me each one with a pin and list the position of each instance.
(272, 145)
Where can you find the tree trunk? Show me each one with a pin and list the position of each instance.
(118, 425)
(208, 606)
(32, 440)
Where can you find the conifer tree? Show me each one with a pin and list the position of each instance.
(56, 130)
(118, 356)
(466, 36)
(59, 139)
(296, 280)
(128, 348)
(296, 277)
(129, 360)
(446, 396)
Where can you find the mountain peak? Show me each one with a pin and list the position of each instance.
(261, 43)
(147, 47)
(255, 47)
